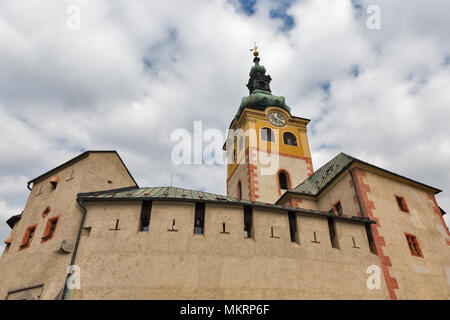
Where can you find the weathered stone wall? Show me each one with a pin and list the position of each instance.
(410, 277)
(162, 264)
(42, 262)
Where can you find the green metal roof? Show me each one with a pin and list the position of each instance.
(156, 193)
(181, 194)
(260, 100)
(320, 178)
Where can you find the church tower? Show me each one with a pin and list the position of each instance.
(267, 147)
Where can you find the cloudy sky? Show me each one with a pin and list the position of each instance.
(134, 71)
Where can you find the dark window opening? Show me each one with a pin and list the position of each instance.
(224, 228)
(283, 180)
(173, 226)
(413, 244)
(289, 139)
(50, 228)
(46, 212)
(267, 134)
(338, 208)
(402, 204)
(293, 226)
(333, 234)
(199, 219)
(28, 237)
(54, 182)
(239, 191)
(248, 222)
(146, 211)
(372, 246)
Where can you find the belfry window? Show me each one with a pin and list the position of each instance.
(241, 143)
(289, 139)
(283, 180)
(248, 222)
(199, 219)
(267, 134)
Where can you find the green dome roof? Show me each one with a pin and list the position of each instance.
(260, 94)
(260, 100)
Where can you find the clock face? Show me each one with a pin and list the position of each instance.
(276, 118)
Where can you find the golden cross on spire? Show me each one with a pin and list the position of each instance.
(255, 48)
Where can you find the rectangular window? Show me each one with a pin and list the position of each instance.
(338, 208)
(248, 222)
(199, 220)
(333, 234)
(413, 244)
(50, 228)
(146, 211)
(293, 226)
(401, 204)
(28, 237)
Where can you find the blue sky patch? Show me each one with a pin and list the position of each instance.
(281, 13)
(248, 6)
(326, 87)
(354, 71)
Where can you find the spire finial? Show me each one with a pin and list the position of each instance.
(255, 54)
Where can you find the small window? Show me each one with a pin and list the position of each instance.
(248, 222)
(283, 181)
(54, 182)
(413, 244)
(338, 208)
(146, 212)
(267, 134)
(333, 234)
(289, 139)
(241, 143)
(401, 204)
(46, 212)
(199, 219)
(292, 226)
(234, 151)
(28, 237)
(239, 191)
(50, 228)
